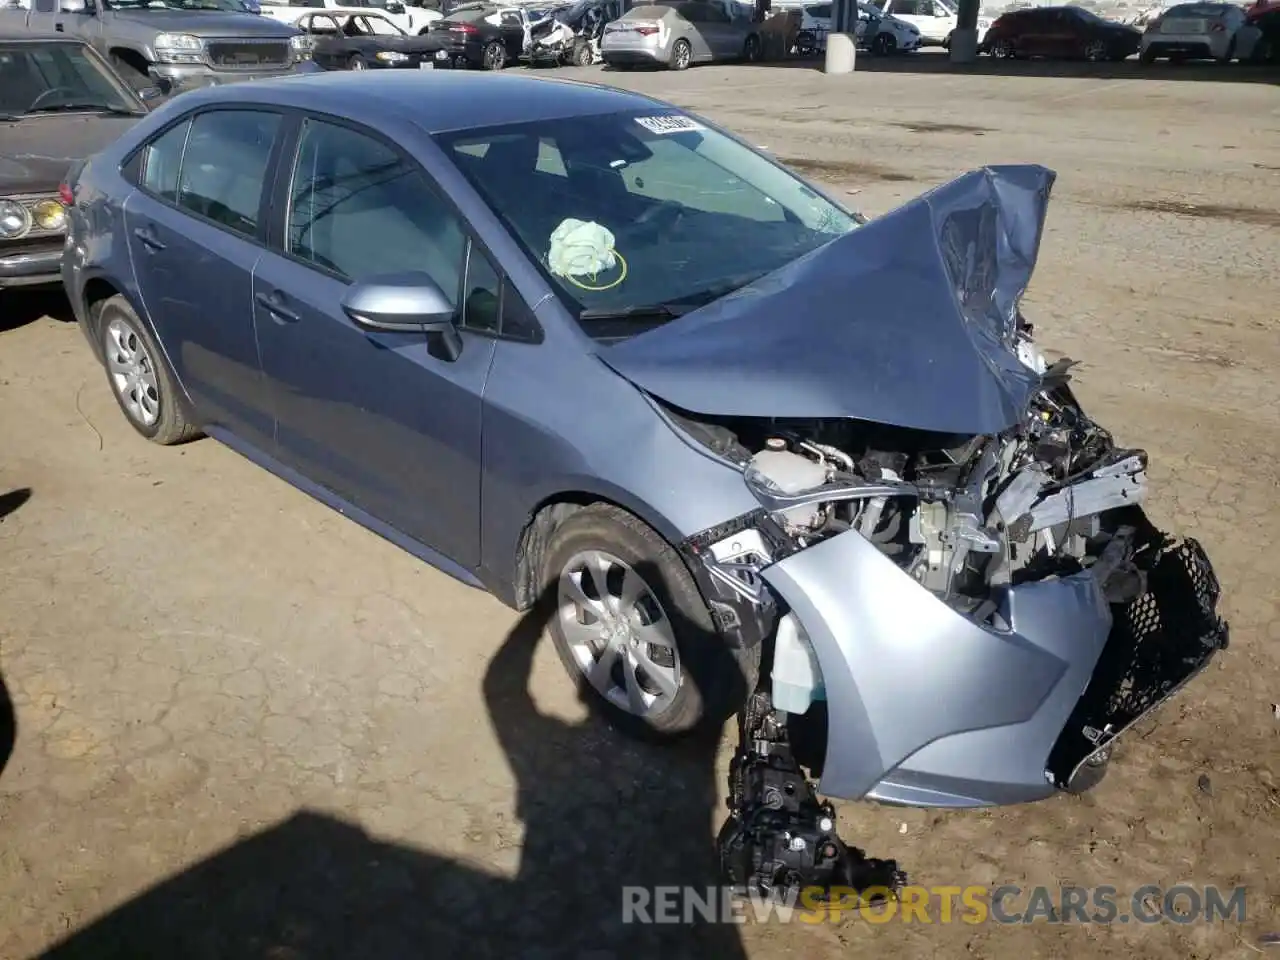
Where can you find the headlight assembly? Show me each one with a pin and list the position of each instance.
(49, 215)
(303, 47)
(15, 220)
(392, 56)
(179, 48)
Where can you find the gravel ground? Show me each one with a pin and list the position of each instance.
(249, 728)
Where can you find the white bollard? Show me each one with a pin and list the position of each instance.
(842, 51)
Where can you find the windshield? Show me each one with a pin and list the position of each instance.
(221, 5)
(632, 211)
(44, 77)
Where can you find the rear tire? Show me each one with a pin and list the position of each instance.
(140, 379)
(1095, 51)
(681, 55)
(494, 56)
(1002, 50)
(751, 49)
(706, 682)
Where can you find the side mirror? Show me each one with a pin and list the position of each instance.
(404, 303)
(149, 94)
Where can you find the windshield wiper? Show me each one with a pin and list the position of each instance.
(100, 107)
(675, 308)
(653, 311)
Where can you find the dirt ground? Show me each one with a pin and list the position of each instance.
(247, 727)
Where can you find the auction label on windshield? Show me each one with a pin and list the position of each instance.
(670, 123)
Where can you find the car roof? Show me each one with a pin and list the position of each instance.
(437, 101)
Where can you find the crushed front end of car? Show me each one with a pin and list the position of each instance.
(951, 558)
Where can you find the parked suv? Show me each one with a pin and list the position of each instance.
(176, 44)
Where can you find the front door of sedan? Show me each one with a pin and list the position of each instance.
(1065, 35)
(195, 231)
(387, 421)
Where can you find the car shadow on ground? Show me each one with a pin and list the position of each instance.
(601, 813)
(20, 307)
(984, 66)
(9, 502)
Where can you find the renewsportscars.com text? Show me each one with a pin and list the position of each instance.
(1006, 904)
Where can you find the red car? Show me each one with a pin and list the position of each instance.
(1060, 32)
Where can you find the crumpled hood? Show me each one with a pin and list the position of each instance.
(36, 152)
(907, 320)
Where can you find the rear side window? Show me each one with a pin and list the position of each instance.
(161, 161)
(224, 166)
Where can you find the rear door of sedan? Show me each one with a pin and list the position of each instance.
(195, 228)
(385, 420)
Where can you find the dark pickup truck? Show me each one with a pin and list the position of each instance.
(175, 44)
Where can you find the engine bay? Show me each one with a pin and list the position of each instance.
(962, 515)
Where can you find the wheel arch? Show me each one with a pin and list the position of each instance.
(551, 511)
(94, 293)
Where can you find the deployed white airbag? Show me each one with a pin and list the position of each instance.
(581, 248)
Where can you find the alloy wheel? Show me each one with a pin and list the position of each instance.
(133, 373)
(683, 54)
(1096, 50)
(618, 633)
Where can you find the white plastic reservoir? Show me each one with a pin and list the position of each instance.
(797, 679)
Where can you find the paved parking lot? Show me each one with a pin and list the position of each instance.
(246, 720)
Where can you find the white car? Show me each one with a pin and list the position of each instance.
(410, 19)
(1196, 31)
(935, 19)
(884, 35)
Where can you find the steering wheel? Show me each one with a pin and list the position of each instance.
(48, 93)
(660, 217)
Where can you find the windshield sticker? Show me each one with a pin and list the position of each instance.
(670, 123)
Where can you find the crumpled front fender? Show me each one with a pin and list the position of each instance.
(904, 671)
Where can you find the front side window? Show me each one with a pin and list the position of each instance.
(637, 210)
(47, 77)
(359, 209)
(224, 167)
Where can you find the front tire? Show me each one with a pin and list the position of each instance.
(357, 62)
(884, 45)
(140, 379)
(681, 55)
(632, 629)
(751, 49)
(1096, 51)
(1002, 50)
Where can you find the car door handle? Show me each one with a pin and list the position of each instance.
(271, 303)
(148, 239)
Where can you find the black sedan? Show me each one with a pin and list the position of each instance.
(60, 102)
(482, 35)
(367, 41)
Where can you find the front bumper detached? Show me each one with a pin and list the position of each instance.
(925, 707)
